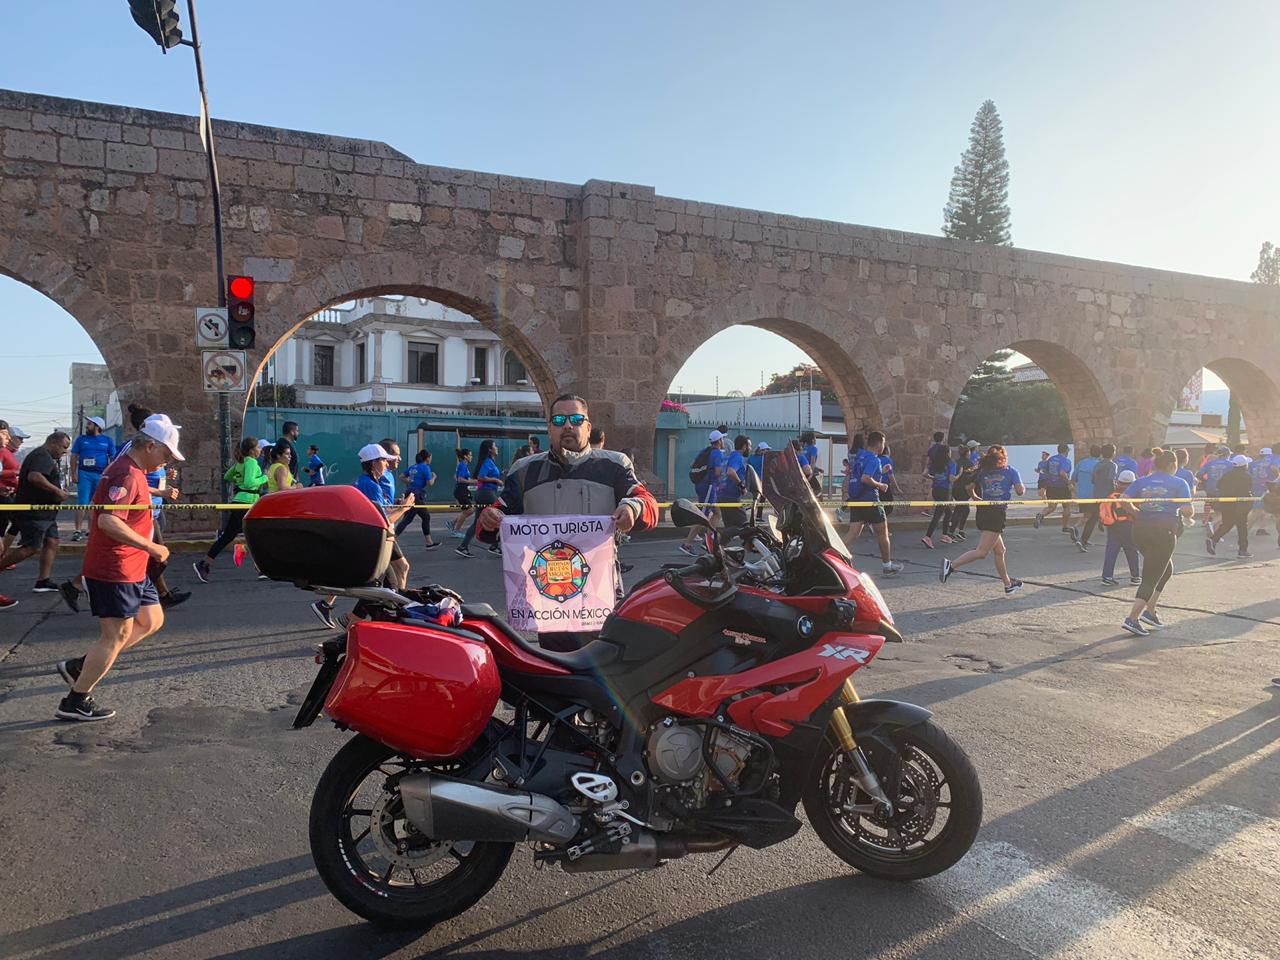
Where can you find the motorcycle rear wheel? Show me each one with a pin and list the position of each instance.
(350, 803)
(938, 777)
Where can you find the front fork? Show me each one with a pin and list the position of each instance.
(863, 775)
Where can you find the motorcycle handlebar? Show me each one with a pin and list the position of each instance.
(703, 566)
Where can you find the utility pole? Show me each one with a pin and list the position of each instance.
(158, 19)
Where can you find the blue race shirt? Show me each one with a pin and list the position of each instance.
(1212, 472)
(1188, 477)
(419, 478)
(154, 479)
(998, 484)
(317, 471)
(1126, 463)
(717, 460)
(757, 463)
(811, 453)
(371, 488)
(865, 465)
(1084, 477)
(1158, 485)
(463, 473)
(1042, 470)
(389, 485)
(1262, 471)
(1057, 472)
(94, 452)
(488, 475)
(728, 491)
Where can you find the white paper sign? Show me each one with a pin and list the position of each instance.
(561, 572)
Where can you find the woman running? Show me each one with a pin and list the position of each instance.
(462, 484)
(247, 479)
(1156, 527)
(419, 478)
(940, 471)
(996, 484)
(961, 491)
(487, 478)
(278, 474)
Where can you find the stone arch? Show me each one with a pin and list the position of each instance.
(1254, 389)
(454, 281)
(1089, 403)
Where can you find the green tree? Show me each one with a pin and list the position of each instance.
(1007, 412)
(1268, 269)
(978, 206)
(799, 377)
(272, 394)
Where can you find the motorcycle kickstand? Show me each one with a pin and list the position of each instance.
(728, 853)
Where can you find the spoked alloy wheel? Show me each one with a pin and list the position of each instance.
(937, 810)
(375, 861)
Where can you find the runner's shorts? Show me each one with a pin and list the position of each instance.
(462, 495)
(35, 529)
(85, 486)
(871, 513)
(119, 601)
(1057, 493)
(990, 519)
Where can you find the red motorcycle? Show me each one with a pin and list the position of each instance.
(715, 699)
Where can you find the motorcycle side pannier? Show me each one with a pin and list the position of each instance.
(426, 692)
(322, 536)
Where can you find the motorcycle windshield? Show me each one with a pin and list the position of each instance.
(787, 489)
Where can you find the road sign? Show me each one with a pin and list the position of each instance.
(211, 327)
(225, 371)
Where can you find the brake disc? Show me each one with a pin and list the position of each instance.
(398, 840)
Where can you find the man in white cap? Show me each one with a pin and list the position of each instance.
(703, 475)
(1236, 482)
(90, 454)
(121, 595)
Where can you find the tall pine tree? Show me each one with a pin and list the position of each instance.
(978, 207)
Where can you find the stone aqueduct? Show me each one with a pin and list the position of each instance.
(603, 288)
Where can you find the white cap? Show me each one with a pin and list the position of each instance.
(18, 432)
(97, 421)
(373, 451)
(763, 445)
(1126, 476)
(1264, 452)
(715, 435)
(973, 443)
(159, 427)
(1240, 460)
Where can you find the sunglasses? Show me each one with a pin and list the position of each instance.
(560, 419)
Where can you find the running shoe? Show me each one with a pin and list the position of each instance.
(959, 535)
(44, 586)
(457, 534)
(1210, 547)
(1151, 619)
(1013, 587)
(947, 539)
(1261, 533)
(1111, 581)
(69, 670)
(7, 602)
(202, 569)
(464, 552)
(891, 569)
(1075, 534)
(496, 549)
(263, 576)
(77, 537)
(173, 598)
(430, 546)
(928, 542)
(448, 525)
(1244, 555)
(1082, 546)
(1036, 521)
(324, 613)
(946, 571)
(238, 553)
(83, 708)
(1209, 528)
(71, 595)
(1135, 581)
(1134, 627)
(688, 549)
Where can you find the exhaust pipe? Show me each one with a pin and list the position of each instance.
(447, 809)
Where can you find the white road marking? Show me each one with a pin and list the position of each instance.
(1233, 834)
(1050, 912)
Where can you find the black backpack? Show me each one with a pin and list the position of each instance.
(698, 469)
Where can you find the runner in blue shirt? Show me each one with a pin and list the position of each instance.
(1082, 477)
(732, 482)
(420, 478)
(703, 473)
(314, 468)
(939, 470)
(997, 483)
(1263, 471)
(488, 478)
(90, 454)
(1126, 462)
(756, 460)
(1057, 487)
(809, 441)
(866, 484)
(1209, 475)
(1155, 533)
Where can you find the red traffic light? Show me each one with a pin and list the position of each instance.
(240, 287)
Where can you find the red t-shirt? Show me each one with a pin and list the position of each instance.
(8, 472)
(123, 483)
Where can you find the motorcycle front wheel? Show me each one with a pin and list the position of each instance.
(375, 862)
(937, 809)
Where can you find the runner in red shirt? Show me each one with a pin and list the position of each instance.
(121, 595)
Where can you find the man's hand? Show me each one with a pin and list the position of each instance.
(624, 518)
(159, 553)
(171, 493)
(490, 519)
(62, 494)
(409, 499)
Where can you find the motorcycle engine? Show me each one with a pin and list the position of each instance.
(677, 756)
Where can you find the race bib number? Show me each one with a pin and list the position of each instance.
(561, 572)
(88, 461)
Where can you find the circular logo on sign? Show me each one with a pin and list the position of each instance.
(559, 571)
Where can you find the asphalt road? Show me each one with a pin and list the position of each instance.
(1132, 786)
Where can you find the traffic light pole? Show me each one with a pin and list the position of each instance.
(206, 136)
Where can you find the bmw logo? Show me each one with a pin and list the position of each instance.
(804, 626)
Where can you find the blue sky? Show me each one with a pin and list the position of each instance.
(1140, 132)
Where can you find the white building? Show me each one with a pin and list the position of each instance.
(398, 353)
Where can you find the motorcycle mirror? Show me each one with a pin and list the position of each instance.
(685, 514)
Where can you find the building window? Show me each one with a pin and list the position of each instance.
(481, 365)
(360, 367)
(322, 366)
(513, 370)
(424, 363)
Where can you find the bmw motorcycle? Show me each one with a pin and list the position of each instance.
(716, 700)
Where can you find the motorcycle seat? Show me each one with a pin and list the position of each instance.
(593, 656)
